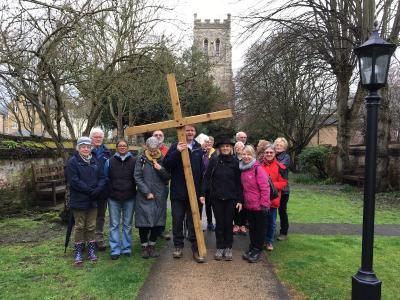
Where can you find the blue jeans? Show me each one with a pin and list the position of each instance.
(115, 207)
(271, 225)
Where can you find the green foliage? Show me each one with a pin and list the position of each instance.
(314, 160)
(10, 144)
(319, 267)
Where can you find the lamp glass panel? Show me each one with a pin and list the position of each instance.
(366, 69)
(381, 68)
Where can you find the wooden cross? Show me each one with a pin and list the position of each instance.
(179, 123)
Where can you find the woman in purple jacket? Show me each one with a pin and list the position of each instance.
(256, 202)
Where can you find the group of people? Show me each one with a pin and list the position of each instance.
(232, 180)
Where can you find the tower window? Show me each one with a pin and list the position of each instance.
(217, 46)
(205, 46)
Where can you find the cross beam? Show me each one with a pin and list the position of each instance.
(179, 123)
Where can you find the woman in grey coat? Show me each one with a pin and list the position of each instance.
(151, 199)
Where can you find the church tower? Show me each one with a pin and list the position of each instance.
(214, 40)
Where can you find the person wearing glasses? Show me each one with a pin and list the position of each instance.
(86, 181)
(278, 174)
(119, 170)
(160, 137)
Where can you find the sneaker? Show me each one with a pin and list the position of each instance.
(254, 256)
(177, 253)
(199, 259)
(211, 227)
(219, 254)
(243, 230)
(269, 247)
(236, 229)
(282, 237)
(228, 254)
(166, 236)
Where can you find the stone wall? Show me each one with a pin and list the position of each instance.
(357, 160)
(16, 190)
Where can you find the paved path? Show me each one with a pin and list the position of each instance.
(344, 229)
(185, 279)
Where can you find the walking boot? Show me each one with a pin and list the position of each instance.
(92, 251)
(145, 252)
(152, 251)
(177, 253)
(219, 254)
(254, 256)
(78, 255)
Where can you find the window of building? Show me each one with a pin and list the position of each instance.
(217, 47)
(14, 125)
(205, 46)
(16, 108)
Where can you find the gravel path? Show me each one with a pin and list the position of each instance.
(185, 279)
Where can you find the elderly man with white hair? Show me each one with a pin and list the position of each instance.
(101, 153)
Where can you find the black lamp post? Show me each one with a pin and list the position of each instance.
(374, 60)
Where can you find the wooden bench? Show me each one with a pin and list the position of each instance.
(49, 181)
(354, 176)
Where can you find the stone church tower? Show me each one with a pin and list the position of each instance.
(214, 40)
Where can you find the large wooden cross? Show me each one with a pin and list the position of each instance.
(179, 123)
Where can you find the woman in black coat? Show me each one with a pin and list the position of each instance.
(223, 186)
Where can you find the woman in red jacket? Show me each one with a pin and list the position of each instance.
(278, 174)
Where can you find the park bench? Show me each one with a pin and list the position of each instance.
(354, 176)
(48, 181)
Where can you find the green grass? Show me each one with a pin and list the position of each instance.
(320, 267)
(8, 225)
(329, 205)
(42, 270)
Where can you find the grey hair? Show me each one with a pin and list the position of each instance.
(153, 143)
(96, 130)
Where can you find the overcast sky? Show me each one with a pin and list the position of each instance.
(214, 9)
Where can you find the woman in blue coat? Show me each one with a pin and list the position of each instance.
(86, 181)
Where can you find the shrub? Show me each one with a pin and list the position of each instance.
(314, 160)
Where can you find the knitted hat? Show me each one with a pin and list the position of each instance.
(84, 140)
(153, 143)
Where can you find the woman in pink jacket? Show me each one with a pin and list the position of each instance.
(256, 202)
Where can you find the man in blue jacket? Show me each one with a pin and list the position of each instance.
(101, 153)
(180, 204)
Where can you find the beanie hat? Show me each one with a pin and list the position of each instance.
(152, 143)
(84, 140)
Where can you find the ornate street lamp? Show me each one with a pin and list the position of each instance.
(374, 60)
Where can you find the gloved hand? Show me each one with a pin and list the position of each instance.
(95, 193)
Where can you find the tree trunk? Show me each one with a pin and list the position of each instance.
(344, 123)
(382, 163)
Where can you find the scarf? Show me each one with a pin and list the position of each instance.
(244, 167)
(152, 158)
(86, 159)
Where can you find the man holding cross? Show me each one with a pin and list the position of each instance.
(179, 195)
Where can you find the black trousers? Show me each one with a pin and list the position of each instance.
(240, 218)
(283, 214)
(154, 232)
(224, 210)
(209, 211)
(257, 228)
(180, 209)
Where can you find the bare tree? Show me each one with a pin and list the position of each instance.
(332, 29)
(284, 93)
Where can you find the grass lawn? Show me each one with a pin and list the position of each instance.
(328, 204)
(320, 267)
(42, 271)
